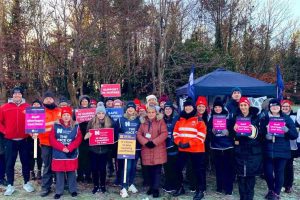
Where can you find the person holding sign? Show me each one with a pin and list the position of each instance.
(152, 135)
(286, 107)
(189, 135)
(129, 125)
(222, 147)
(12, 125)
(278, 129)
(65, 138)
(247, 147)
(99, 153)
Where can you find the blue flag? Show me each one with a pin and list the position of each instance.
(280, 84)
(191, 89)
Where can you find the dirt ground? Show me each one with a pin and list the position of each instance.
(113, 192)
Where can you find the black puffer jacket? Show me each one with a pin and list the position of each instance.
(281, 147)
(248, 151)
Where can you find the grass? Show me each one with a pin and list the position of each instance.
(113, 192)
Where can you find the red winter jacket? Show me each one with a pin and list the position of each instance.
(65, 165)
(12, 120)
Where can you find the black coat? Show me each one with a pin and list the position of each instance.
(248, 151)
(281, 147)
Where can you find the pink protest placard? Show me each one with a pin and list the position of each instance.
(243, 126)
(35, 120)
(101, 136)
(85, 114)
(110, 90)
(219, 122)
(275, 126)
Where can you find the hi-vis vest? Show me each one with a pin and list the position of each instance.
(65, 135)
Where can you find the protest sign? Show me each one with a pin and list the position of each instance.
(101, 136)
(85, 114)
(244, 126)
(126, 146)
(110, 90)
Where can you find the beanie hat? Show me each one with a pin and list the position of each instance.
(168, 104)
(274, 102)
(66, 109)
(130, 104)
(218, 102)
(151, 97)
(86, 97)
(118, 101)
(188, 102)
(37, 101)
(63, 99)
(137, 101)
(100, 108)
(93, 102)
(17, 89)
(236, 89)
(286, 101)
(142, 107)
(109, 99)
(100, 103)
(163, 98)
(48, 94)
(201, 101)
(244, 100)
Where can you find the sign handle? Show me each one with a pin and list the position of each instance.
(35, 146)
(125, 171)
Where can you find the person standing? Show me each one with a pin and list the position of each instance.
(189, 135)
(65, 138)
(52, 113)
(152, 135)
(2, 160)
(12, 125)
(232, 105)
(277, 149)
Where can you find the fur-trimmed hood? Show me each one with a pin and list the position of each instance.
(159, 116)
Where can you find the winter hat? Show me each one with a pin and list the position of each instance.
(37, 101)
(286, 101)
(100, 108)
(142, 107)
(218, 102)
(168, 104)
(66, 109)
(151, 97)
(137, 102)
(188, 102)
(201, 101)
(118, 101)
(274, 102)
(86, 97)
(93, 102)
(109, 99)
(236, 89)
(150, 107)
(163, 98)
(100, 103)
(48, 94)
(17, 89)
(130, 104)
(244, 100)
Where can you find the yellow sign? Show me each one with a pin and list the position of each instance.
(126, 148)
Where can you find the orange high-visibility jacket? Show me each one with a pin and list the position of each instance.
(190, 131)
(51, 117)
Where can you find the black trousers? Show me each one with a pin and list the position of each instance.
(223, 161)
(2, 166)
(289, 173)
(246, 187)
(98, 165)
(171, 180)
(12, 149)
(154, 172)
(198, 164)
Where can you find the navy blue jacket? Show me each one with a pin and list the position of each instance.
(170, 122)
(232, 107)
(281, 147)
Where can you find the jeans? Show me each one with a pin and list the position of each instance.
(47, 172)
(60, 182)
(246, 187)
(131, 171)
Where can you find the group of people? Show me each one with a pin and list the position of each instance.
(165, 139)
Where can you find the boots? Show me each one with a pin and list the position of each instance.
(198, 195)
(179, 191)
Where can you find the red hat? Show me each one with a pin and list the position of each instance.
(142, 106)
(93, 102)
(244, 100)
(286, 101)
(163, 98)
(66, 109)
(137, 101)
(201, 101)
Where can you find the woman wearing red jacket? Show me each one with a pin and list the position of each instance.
(65, 139)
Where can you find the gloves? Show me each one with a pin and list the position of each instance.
(225, 132)
(184, 145)
(285, 129)
(150, 145)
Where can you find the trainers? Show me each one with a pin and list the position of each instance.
(28, 187)
(132, 189)
(103, 189)
(9, 190)
(124, 193)
(168, 189)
